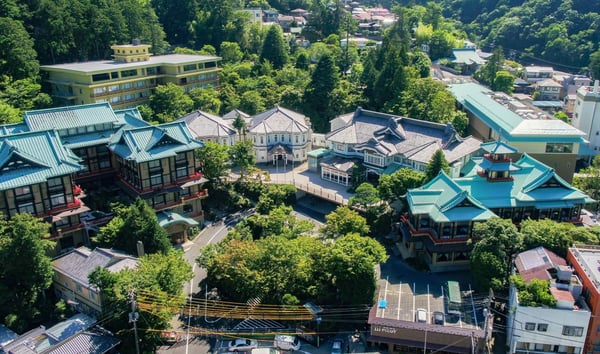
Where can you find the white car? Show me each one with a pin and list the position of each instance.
(242, 345)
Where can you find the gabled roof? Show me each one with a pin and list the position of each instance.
(443, 200)
(533, 184)
(392, 135)
(279, 120)
(234, 113)
(498, 147)
(70, 117)
(466, 56)
(130, 118)
(154, 142)
(34, 157)
(203, 124)
(78, 264)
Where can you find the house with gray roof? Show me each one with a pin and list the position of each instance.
(208, 127)
(71, 272)
(280, 134)
(442, 213)
(384, 143)
(496, 116)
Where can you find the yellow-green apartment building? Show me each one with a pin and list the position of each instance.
(130, 78)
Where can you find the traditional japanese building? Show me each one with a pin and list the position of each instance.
(439, 223)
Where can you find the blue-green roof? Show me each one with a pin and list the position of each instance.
(154, 142)
(498, 147)
(533, 184)
(318, 153)
(509, 125)
(168, 218)
(33, 157)
(71, 117)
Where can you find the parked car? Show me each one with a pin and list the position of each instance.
(241, 345)
(438, 318)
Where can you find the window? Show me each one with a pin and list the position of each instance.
(115, 99)
(189, 67)
(128, 73)
(99, 90)
(78, 286)
(100, 77)
(561, 148)
(542, 327)
(572, 331)
(155, 180)
(57, 199)
(113, 88)
(530, 326)
(127, 86)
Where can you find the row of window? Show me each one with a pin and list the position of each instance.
(570, 331)
(280, 138)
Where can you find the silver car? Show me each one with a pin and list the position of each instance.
(242, 345)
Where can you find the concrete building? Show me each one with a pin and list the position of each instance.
(586, 115)
(585, 260)
(547, 329)
(130, 78)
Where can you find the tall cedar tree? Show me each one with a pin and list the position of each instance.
(318, 97)
(137, 222)
(437, 163)
(274, 48)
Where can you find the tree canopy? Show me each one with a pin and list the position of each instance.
(437, 164)
(343, 221)
(136, 222)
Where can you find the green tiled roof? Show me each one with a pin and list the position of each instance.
(154, 142)
(470, 198)
(33, 157)
(498, 147)
(168, 218)
(70, 117)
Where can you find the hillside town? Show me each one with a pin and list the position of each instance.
(297, 176)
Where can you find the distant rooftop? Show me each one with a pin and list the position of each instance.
(589, 259)
(106, 65)
(512, 119)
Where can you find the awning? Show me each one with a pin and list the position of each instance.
(169, 218)
(189, 184)
(71, 212)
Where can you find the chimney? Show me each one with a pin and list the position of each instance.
(140, 249)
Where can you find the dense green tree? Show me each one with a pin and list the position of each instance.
(242, 155)
(557, 237)
(365, 195)
(492, 255)
(18, 59)
(9, 114)
(503, 81)
(460, 122)
(240, 125)
(137, 222)
(392, 187)
(343, 221)
(318, 97)
(437, 164)
(534, 294)
(206, 99)
(252, 102)
(595, 64)
(429, 100)
(274, 49)
(231, 52)
(169, 102)
(214, 161)
(24, 94)
(487, 72)
(588, 179)
(176, 18)
(421, 62)
(25, 269)
(157, 280)
(351, 261)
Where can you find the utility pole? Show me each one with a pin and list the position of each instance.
(133, 317)
(486, 314)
